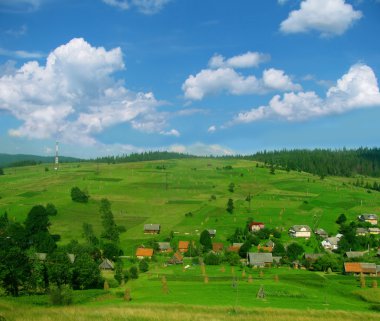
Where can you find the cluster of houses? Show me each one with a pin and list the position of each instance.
(264, 257)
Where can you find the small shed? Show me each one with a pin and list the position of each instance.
(217, 247)
(321, 232)
(177, 258)
(312, 257)
(106, 265)
(361, 231)
(152, 228)
(212, 233)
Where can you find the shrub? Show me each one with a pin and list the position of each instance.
(60, 295)
(143, 266)
(79, 196)
(211, 259)
(133, 272)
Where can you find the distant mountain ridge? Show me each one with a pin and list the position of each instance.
(9, 160)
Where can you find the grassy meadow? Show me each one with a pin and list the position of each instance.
(143, 192)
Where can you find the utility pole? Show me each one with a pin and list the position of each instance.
(56, 162)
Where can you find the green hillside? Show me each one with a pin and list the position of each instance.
(164, 191)
(9, 160)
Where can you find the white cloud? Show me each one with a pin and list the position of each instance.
(212, 129)
(17, 32)
(22, 54)
(201, 149)
(144, 6)
(172, 132)
(74, 96)
(214, 81)
(282, 2)
(247, 60)
(329, 17)
(20, 6)
(358, 88)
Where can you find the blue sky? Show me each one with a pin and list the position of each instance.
(198, 76)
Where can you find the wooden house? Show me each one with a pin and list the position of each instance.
(106, 265)
(260, 259)
(164, 247)
(176, 259)
(360, 267)
(152, 229)
(321, 233)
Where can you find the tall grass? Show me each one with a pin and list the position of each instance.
(173, 313)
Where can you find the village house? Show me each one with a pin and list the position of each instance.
(369, 218)
(152, 228)
(183, 246)
(260, 259)
(321, 232)
(235, 247)
(262, 248)
(300, 231)
(217, 247)
(312, 257)
(331, 243)
(176, 259)
(355, 254)
(256, 226)
(106, 265)
(212, 233)
(144, 253)
(164, 247)
(374, 230)
(360, 267)
(361, 231)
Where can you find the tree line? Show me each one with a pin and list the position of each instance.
(140, 157)
(323, 162)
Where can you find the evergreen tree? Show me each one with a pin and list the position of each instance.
(205, 240)
(230, 206)
(110, 230)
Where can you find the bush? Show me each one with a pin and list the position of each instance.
(133, 272)
(143, 266)
(61, 295)
(211, 259)
(79, 196)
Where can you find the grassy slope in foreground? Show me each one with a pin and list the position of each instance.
(173, 312)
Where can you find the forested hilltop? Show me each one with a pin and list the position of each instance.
(17, 160)
(324, 162)
(140, 157)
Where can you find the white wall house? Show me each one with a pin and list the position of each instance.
(300, 231)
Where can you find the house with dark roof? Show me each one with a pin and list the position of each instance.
(321, 233)
(300, 231)
(331, 243)
(260, 259)
(369, 218)
(374, 230)
(144, 253)
(355, 254)
(152, 229)
(164, 247)
(361, 231)
(106, 265)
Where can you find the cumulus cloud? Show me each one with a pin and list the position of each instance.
(201, 149)
(329, 17)
(172, 132)
(144, 6)
(75, 96)
(358, 88)
(247, 60)
(214, 81)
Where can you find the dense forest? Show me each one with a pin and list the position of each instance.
(324, 162)
(8, 160)
(140, 157)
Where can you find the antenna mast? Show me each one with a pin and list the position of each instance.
(56, 162)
